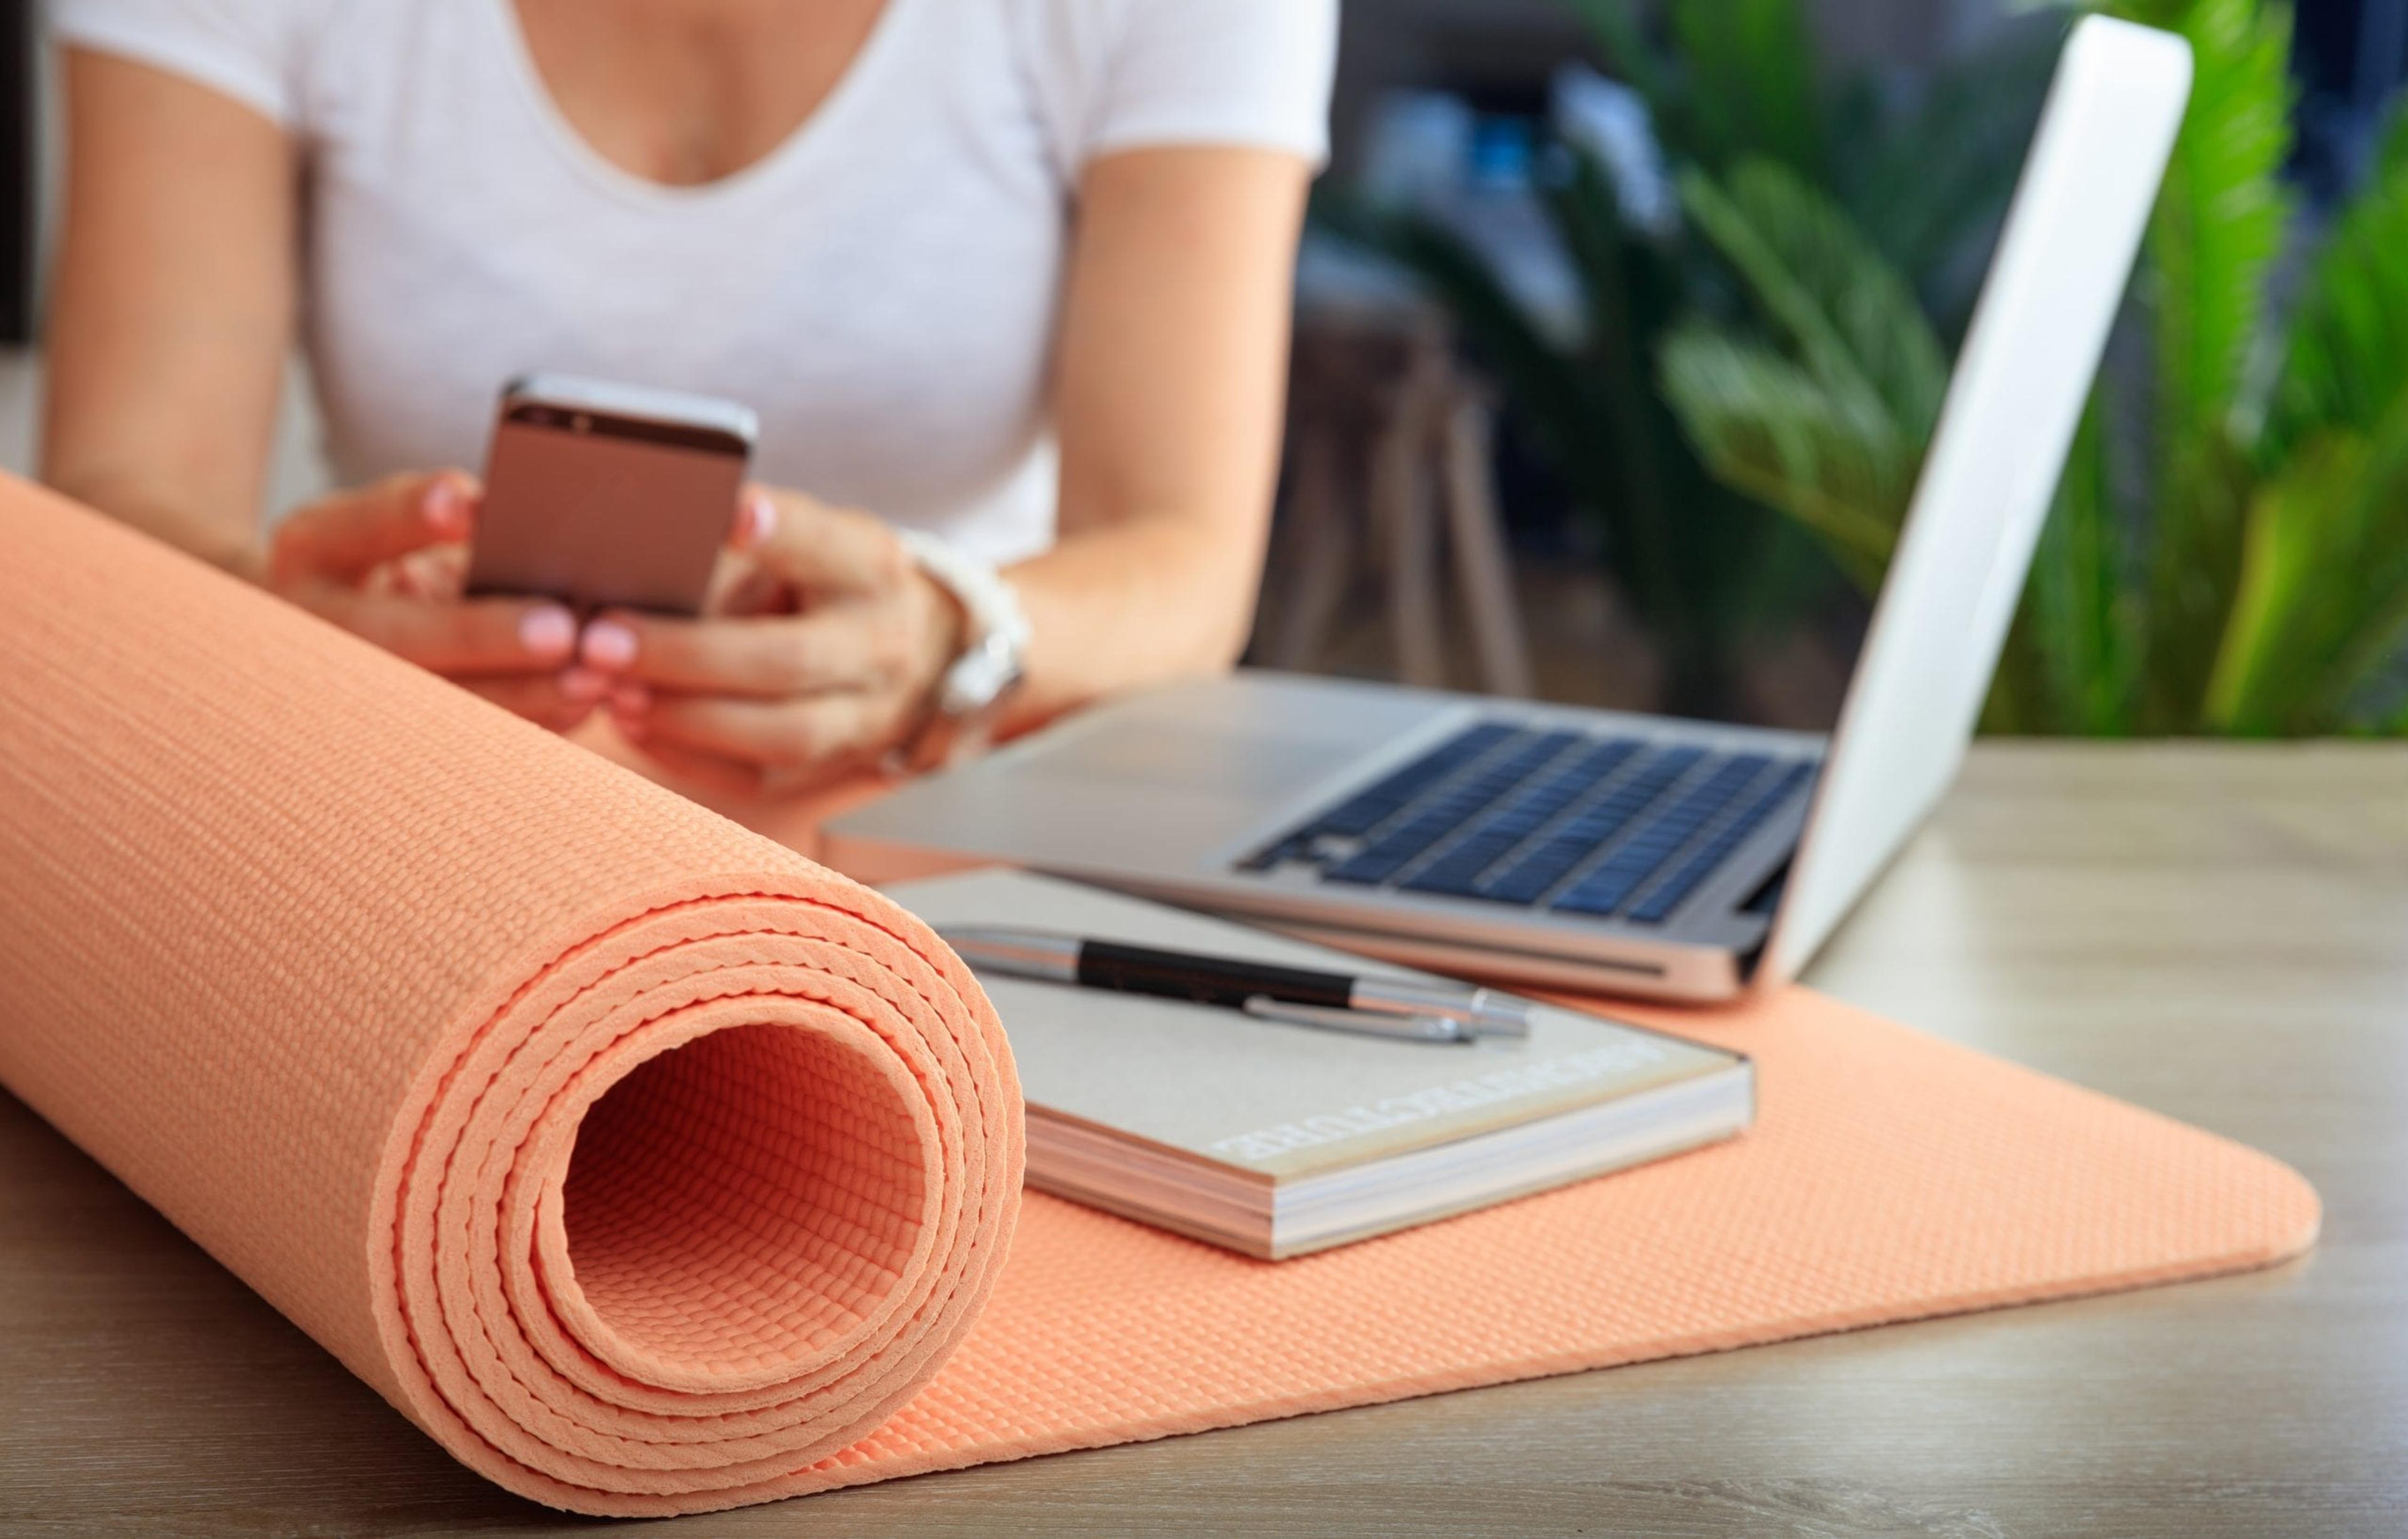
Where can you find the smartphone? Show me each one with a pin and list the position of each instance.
(609, 495)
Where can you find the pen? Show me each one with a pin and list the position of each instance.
(1382, 1007)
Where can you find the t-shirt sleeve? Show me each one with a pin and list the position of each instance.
(249, 50)
(1253, 73)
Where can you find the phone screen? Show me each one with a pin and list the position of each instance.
(601, 510)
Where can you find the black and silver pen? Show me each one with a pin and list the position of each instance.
(1384, 1007)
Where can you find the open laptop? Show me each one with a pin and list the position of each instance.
(1591, 849)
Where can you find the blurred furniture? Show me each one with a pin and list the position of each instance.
(1390, 482)
(2218, 932)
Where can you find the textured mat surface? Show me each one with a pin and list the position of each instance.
(337, 967)
(331, 963)
(1890, 1176)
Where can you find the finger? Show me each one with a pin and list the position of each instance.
(437, 572)
(742, 587)
(543, 698)
(772, 657)
(718, 773)
(819, 549)
(475, 638)
(387, 581)
(584, 685)
(346, 537)
(784, 734)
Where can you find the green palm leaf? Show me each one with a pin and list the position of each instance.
(1853, 321)
(2263, 585)
(1618, 283)
(1743, 77)
(1930, 184)
(1754, 90)
(1768, 427)
(1703, 567)
(1833, 434)
(2323, 599)
(2391, 148)
(2348, 357)
(2080, 623)
(2213, 241)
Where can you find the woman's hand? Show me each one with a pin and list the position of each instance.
(388, 561)
(820, 657)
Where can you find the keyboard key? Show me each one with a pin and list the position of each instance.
(1529, 878)
(1436, 819)
(1608, 888)
(1669, 894)
(1272, 856)
(1492, 837)
(1369, 808)
(1457, 872)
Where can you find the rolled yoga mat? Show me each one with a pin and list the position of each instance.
(326, 960)
(639, 1161)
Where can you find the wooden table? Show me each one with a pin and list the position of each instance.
(2219, 934)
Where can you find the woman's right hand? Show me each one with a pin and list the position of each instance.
(389, 562)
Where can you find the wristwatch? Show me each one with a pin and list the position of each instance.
(969, 697)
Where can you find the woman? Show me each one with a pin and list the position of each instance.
(1013, 272)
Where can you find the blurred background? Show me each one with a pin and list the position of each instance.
(1622, 325)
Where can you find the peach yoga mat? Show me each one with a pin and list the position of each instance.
(651, 1169)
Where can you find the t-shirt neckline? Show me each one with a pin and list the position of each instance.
(807, 141)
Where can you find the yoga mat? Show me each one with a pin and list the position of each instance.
(638, 1159)
(328, 960)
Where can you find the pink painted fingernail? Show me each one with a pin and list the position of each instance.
(608, 645)
(446, 507)
(756, 520)
(548, 632)
(583, 686)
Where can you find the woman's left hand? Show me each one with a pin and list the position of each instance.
(821, 657)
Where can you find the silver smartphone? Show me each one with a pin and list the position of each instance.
(609, 495)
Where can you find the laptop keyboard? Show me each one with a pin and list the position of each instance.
(1547, 819)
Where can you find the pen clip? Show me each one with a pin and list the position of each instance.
(1262, 1007)
(1477, 1012)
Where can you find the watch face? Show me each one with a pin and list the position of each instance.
(983, 676)
(991, 663)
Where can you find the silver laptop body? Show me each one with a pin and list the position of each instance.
(1589, 849)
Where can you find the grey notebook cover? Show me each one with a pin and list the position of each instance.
(1276, 1102)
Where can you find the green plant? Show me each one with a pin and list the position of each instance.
(1706, 567)
(2230, 557)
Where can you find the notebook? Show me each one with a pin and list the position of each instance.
(1278, 1140)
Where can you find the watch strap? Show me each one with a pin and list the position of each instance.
(994, 645)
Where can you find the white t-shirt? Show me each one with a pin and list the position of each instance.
(883, 288)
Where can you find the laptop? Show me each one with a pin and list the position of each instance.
(1590, 849)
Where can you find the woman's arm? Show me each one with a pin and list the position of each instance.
(1169, 372)
(171, 315)
(171, 305)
